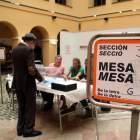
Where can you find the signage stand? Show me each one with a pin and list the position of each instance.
(134, 125)
(97, 126)
(2, 58)
(125, 38)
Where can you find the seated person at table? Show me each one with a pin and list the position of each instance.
(49, 96)
(83, 102)
(77, 73)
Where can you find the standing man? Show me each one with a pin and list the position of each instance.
(25, 73)
(49, 96)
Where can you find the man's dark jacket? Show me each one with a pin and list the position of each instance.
(23, 58)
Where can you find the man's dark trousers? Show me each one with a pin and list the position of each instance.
(27, 105)
(48, 97)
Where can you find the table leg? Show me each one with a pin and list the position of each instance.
(12, 91)
(59, 114)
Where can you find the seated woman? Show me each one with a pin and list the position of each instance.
(77, 73)
(83, 102)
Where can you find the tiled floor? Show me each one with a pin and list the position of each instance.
(74, 128)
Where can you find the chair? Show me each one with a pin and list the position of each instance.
(11, 93)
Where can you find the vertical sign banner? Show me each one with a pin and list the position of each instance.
(117, 71)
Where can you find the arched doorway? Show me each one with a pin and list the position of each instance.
(7, 32)
(40, 33)
(58, 43)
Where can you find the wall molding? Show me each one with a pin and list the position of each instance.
(16, 38)
(49, 40)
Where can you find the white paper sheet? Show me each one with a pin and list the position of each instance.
(68, 82)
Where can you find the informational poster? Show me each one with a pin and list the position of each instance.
(117, 70)
(67, 49)
(2, 54)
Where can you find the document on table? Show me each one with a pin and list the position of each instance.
(48, 81)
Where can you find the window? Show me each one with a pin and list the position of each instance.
(63, 2)
(93, 3)
(99, 2)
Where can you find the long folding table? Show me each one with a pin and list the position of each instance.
(71, 96)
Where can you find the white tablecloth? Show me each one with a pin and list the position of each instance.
(71, 96)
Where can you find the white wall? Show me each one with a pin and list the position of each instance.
(75, 40)
(67, 39)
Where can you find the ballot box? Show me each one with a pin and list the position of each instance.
(49, 71)
(64, 85)
(51, 74)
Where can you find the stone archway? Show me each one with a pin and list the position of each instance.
(7, 32)
(41, 34)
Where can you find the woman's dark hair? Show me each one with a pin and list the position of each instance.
(78, 60)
